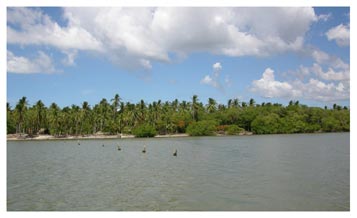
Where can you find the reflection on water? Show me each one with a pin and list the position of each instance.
(275, 172)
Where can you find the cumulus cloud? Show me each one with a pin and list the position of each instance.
(214, 79)
(268, 87)
(324, 58)
(137, 36)
(208, 80)
(330, 74)
(217, 66)
(37, 28)
(340, 33)
(22, 65)
(314, 89)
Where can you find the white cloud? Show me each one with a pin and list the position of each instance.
(268, 87)
(146, 64)
(314, 89)
(214, 79)
(324, 17)
(18, 64)
(330, 74)
(70, 56)
(127, 36)
(217, 66)
(208, 80)
(38, 29)
(322, 57)
(320, 91)
(340, 33)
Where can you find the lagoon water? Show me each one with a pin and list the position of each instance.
(247, 173)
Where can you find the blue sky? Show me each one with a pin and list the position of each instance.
(71, 55)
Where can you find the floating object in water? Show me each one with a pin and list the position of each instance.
(175, 153)
(102, 145)
(144, 150)
(119, 149)
(78, 142)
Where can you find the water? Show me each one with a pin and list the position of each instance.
(259, 173)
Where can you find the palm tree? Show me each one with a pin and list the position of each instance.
(335, 106)
(194, 108)
(54, 115)
(10, 121)
(211, 106)
(175, 104)
(21, 108)
(251, 102)
(76, 118)
(116, 102)
(229, 103)
(235, 103)
(40, 114)
(85, 115)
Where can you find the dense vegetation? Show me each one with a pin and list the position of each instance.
(194, 118)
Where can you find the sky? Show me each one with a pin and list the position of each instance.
(276, 54)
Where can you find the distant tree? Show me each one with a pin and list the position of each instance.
(21, 108)
(177, 116)
(251, 102)
(195, 107)
(211, 106)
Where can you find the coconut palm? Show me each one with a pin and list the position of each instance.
(115, 105)
(211, 106)
(194, 108)
(21, 108)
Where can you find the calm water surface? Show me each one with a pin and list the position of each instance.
(274, 172)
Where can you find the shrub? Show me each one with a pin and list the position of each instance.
(126, 130)
(201, 128)
(234, 130)
(144, 130)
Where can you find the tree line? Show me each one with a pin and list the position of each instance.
(193, 117)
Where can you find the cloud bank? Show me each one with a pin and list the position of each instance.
(134, 37)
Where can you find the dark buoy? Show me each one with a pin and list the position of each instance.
(119, 149)
(102, 145)
(78, 142)
(144, 150)
(175, 153)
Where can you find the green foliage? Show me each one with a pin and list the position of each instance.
(201, 128)
(126, 130)
(11, 126)
(266, 124)
(234, 130)
(330, 124)
(144, 130)
(192, 117)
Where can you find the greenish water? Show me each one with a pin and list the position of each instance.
(251, 173)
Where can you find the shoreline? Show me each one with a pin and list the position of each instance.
(17, 137)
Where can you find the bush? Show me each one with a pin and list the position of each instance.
(126, 130)
(201, 128)
(234, 130)
(144, 131)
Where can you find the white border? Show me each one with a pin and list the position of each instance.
(96, 3)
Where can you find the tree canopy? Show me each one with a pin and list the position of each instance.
(195, 118)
